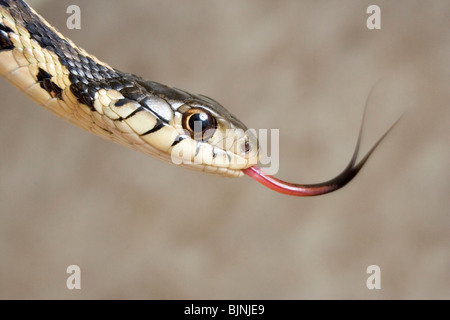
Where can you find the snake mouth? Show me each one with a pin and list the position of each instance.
(305, 190)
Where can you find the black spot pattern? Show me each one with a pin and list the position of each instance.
(45, 80)
(122, 102)
(134, 112)
(177, 140)
(158, 126)
(86, 76)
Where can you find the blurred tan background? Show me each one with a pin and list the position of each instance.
(140, 228)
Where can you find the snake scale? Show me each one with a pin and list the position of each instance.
(190, 130)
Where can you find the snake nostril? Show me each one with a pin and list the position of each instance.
(246, 147)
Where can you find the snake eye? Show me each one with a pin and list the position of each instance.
(199, 123)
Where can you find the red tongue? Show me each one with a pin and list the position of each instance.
(305, 190)
(287, 187)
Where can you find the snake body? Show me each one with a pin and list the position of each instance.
(122, 107)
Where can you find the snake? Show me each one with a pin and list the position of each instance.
(189, 130)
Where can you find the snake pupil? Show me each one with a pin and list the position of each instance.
(246, 147)
(199, 123)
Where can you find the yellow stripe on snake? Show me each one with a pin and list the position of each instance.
(176, 126)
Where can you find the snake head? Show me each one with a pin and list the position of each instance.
(211, 139)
